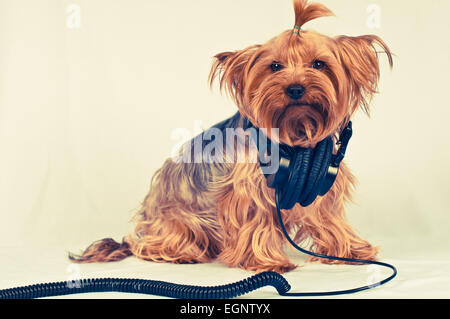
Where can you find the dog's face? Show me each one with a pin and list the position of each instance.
(303, 83)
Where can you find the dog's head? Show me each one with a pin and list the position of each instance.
(304, 83)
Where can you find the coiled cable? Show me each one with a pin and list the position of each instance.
(150, 287)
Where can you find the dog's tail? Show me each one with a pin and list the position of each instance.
(104, 250)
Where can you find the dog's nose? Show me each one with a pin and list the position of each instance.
(295, 91)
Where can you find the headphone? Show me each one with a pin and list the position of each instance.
(304, 173)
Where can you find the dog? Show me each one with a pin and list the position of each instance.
(307, 86)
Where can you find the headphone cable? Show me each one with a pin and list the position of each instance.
(329, 293)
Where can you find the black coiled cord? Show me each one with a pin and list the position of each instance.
(167, 289)
(150, 287)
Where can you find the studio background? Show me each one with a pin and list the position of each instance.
(91, 93)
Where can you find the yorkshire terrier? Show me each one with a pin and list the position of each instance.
(306, 85)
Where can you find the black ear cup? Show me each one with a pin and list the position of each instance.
(319, 154)
(293, 186)
(305, 173)
(323, 161)
(306, 170)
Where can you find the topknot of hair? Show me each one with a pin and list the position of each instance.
(305, 11)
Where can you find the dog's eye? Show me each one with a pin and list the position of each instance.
(318, 65)
(276, 66)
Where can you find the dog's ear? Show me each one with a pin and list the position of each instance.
(231, 69)
(359, 58)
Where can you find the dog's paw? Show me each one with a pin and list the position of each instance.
(280, 268)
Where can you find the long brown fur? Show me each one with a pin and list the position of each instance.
(201, 212)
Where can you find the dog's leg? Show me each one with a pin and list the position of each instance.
(178, 222)
(251, 238)
(325, 223)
